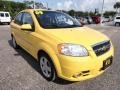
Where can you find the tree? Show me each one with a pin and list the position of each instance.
(12, 7)
(117, 6)
(96, 11)
(109, 13)
(30, 4)
(71, 12)
(15, 7)
(38, 5)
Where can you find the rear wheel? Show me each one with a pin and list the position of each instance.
(0, 23)
(117, 24)
(8, 23)
(46, 67)
(15, 45)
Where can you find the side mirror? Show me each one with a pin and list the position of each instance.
(26, 27)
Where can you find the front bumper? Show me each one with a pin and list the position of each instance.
(82, 68)
(5, 21)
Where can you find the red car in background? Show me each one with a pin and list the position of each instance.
(96, 19)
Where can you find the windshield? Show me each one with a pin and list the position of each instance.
(6, 14)
(117, 17)
(1, 14)
(53, 19)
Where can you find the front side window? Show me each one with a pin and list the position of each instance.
(53, 19)
(27, 19)
(18, 19)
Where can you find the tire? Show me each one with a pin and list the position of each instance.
(8, 23)
(14, 44)
(46, 67)
(116, 24)
(0, 23)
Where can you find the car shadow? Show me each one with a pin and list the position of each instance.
(34, 64)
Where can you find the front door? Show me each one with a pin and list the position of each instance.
(28, 36)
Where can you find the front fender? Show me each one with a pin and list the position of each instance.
(52, 54)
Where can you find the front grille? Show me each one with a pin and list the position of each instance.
(101, 48)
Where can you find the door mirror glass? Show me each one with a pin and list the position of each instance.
(27, 27)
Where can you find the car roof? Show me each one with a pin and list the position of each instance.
(3, 12)
(32, 10)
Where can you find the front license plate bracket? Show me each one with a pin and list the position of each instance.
(107, 63)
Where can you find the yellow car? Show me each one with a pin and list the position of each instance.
(62, 46)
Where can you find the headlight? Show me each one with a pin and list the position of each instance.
(72, 50)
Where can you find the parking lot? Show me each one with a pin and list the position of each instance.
(20, 71)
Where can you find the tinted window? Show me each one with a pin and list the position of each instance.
(27, 19)
(18, 19)
(106, 17)
(6, 14)
(53, 19)
(117, 17)
(2, 14)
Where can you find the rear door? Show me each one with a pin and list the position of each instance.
(7, 17)
(16, 29)
(2, 17)
(118, 19)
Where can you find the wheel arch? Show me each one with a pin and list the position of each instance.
(53, 58)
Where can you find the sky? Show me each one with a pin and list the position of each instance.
(78, 5)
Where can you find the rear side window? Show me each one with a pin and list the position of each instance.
(18, 19)
(1, 14)
(6, 15)
(117, 17)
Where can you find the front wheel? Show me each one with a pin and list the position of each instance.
(46, 67)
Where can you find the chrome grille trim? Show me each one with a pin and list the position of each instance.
(102, 47)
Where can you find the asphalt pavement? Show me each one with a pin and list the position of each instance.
(20, 71)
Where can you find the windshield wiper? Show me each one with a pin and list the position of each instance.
(57, 26)
(72, 26)
(51, 26)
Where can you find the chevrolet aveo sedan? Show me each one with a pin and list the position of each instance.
(61, 45)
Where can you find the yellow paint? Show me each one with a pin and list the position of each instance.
(38, 12)
(48, 40)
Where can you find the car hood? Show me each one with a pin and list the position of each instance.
(81, 35)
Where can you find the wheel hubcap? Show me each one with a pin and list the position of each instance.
(45, 66)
